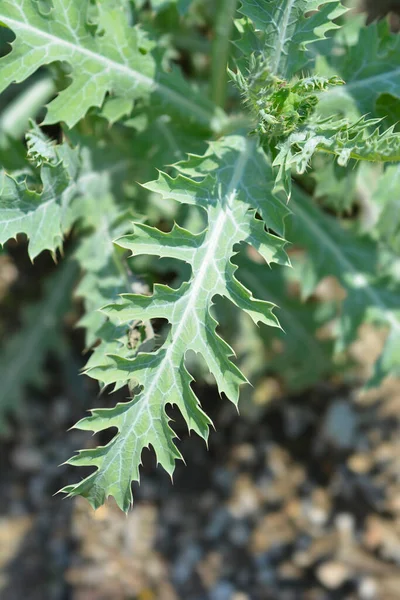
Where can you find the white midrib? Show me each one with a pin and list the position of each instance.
(146, 396)
(325, 241)
(203, 116)
(282, 35)
(196, 285)
(166, 363)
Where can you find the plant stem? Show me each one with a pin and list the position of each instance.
(119, 264)
(14, 120)
(220, 49)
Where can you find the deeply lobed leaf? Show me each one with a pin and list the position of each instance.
(370, 68)
(355, 262)
(231, 182)
(105, 57)
(362, 141)
(44, 215)
(287, 26)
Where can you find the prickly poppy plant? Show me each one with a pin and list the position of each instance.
(229, 143)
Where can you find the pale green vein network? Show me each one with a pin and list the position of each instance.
(369, 68)
(233, 180)
(112, 62)
(286, 26)
(207, 262)
(282, 29)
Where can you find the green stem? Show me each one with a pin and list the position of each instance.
(193, 42)
(220, 49)
(119, 264)
(14, 120)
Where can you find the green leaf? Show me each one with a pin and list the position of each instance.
(103, 212)
(355, 262)
(288, 26)
(387, 107)
(369, 68)
(116, 59)
(361, 141)
(387, 200)
(295, 354)
(42, 215)
(23, 355)
(72, 182)
(104, 280)
(335, 186)
(231, 182)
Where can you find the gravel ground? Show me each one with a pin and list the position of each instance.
(301, 502)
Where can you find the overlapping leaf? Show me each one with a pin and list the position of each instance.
(231, 182)
(369, 68)
(287, 26)
(23, 355)
(112, 65)
(102, 210)
(387, 202)
(371, 295)
(361, 140)
(157, 5)
(44, 215)
(295, 354)
(115, 59)
(71, 187)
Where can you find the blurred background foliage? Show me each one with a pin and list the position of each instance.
(46, 304)
(362, 197)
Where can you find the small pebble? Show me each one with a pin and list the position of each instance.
(367, 589)
(27, 459)
(218, 524)
(224, 590)
(333, 574)
(239, 533)
(185, 563)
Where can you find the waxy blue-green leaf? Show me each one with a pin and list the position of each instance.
(71, 186)
(386, 199)
(231, 183)
(369, 68)
(114, 58)
(287, 26)
(44, 215)
(295, 354)
(354, 261)
(361, 140)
